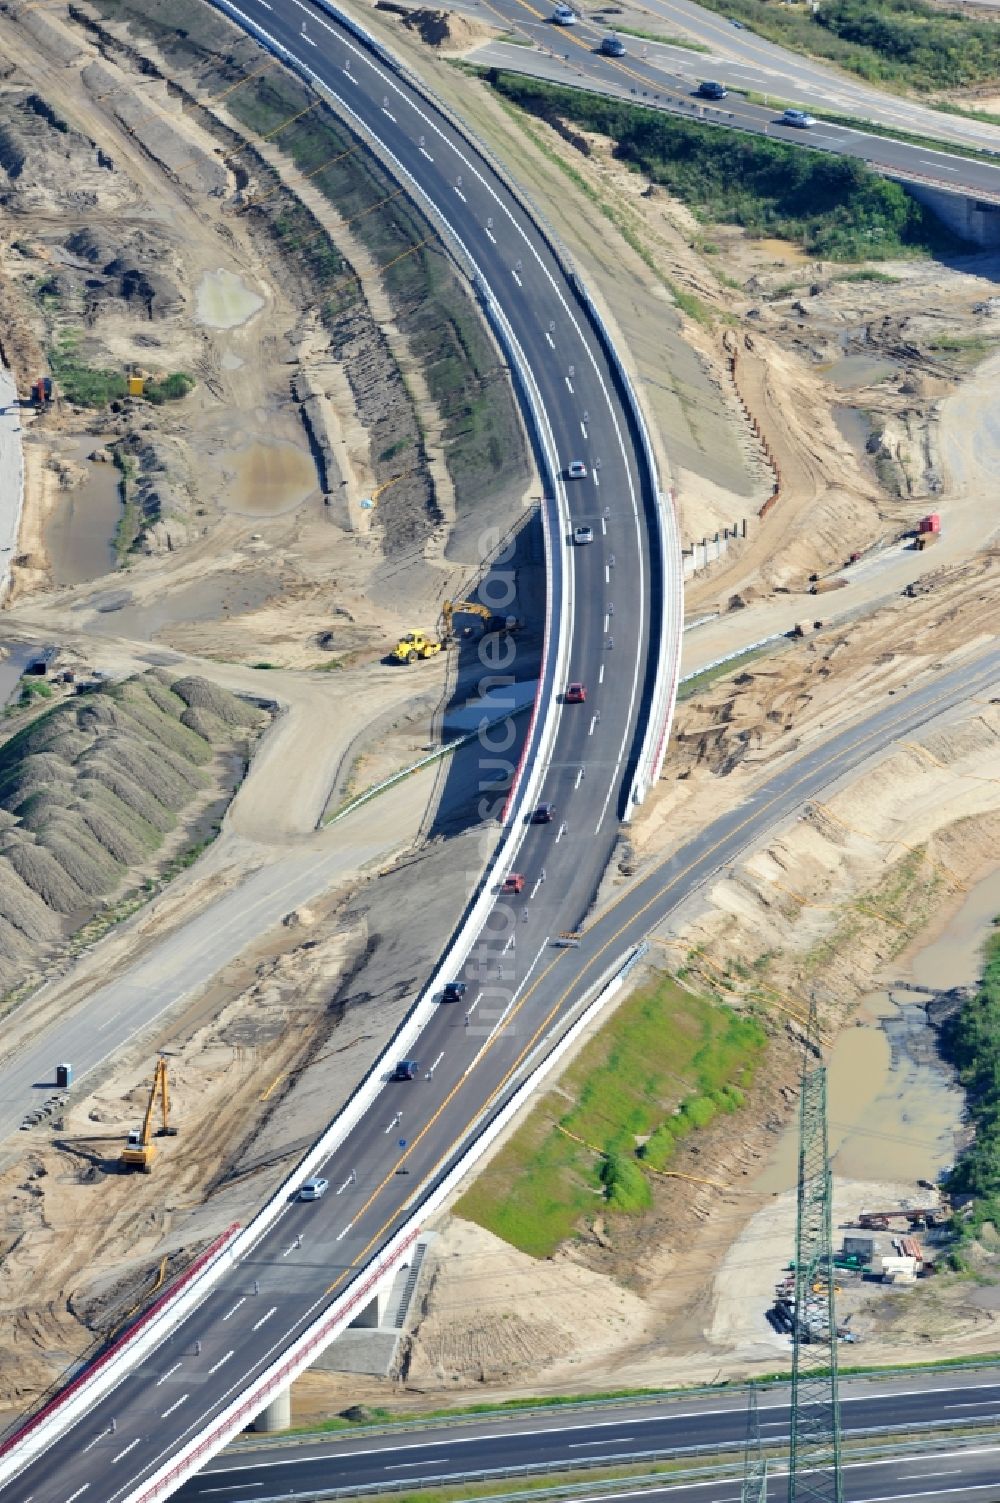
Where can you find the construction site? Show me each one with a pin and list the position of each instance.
(267, 480)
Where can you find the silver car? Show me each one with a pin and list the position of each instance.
(314, 1188)
(799, 118)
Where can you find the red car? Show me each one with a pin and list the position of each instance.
(513, 882)
(576, 694)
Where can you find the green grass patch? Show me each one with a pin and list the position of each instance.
(662, 1053)
(902, 43)
(834, 207)
(866, 274)
(129, 526)
(698, 682)
(84, 385)
(32, 688)
(665, 40)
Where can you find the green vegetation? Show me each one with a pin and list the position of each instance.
(171, 389)
(906, 43)
(86, 385)
(666, 41)
(835, 207)
(97, 386)
(130, 522)
(31, 689)
(689, 687)
(971, 1041)
(662, 1066)
(866, 274)
(963, 349)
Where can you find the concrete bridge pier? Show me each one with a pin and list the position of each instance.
(277, 1415)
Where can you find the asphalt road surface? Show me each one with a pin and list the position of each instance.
(472, 1054)
(668, 77)
(313, 1250)
(622, 1431)
(592, 762)
(750, 61)
(520, 989)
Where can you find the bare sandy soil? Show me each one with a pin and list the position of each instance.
(303, 585)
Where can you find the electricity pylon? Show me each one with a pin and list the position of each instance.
(814, 1466)
(754, 1465)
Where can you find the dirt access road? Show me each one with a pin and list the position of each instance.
(968, 436)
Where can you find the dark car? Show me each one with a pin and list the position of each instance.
(709, 89)
(407, 1069)
(613, 47)
(544, 814)
(454, 991)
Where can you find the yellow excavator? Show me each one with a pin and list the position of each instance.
(139, 1152)
(417, 645)
(491, 621)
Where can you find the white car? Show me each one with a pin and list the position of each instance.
(799, 118)
(564, 16)
(583, 535)
(576, 470)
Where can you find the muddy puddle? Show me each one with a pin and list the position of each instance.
(223, 300)
(782, 250)
(267, 479)
(222, 596)
(894, 1108)
(79, 536)
(852, 371)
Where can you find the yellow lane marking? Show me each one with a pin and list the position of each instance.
(806, 776)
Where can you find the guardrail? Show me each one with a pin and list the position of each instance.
(21, 1448)
(724, 119)
(319, 1335)
(650, 760)
(638, 1458)
(671, 606)
(101, 1375)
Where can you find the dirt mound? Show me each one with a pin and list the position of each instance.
(444, 29)
(89, 791)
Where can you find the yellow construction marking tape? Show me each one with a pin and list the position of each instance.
(274, 1082)
(214, 98)
(892, 840)
(269, 135)
(304, 178)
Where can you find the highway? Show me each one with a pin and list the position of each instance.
(668, 77)
(475, 1053)
(747, 60)
(307, 1256)
(584, 1433)
(521, 989)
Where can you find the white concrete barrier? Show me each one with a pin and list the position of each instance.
(319, 1335)
(94, 1383)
